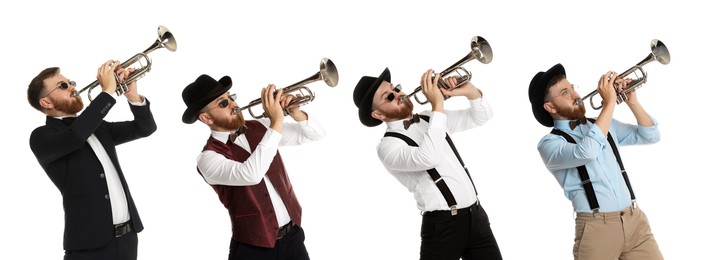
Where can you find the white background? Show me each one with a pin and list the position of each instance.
(353, 209)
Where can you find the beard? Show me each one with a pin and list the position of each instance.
(572, 113)
(404, 112)
(69, 106)
(229, 123)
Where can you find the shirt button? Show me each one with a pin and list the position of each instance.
(102, 175)
(107, 196)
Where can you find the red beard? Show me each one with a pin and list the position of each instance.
(572, 113)
(404, 112)
(69, 106)
(230, 123)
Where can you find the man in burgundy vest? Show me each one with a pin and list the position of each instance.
(241, 162)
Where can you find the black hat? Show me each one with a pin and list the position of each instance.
(199, 93)
(536, 93)
(363, 94)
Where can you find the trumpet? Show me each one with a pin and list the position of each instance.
(165, 40)
(658, 53)
(327, 72)
(479, 49)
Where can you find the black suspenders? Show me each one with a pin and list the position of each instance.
(584, 175)
(442, 186)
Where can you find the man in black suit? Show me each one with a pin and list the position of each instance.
(79, 156)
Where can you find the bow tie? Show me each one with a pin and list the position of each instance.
(576, 122)
(414, 119)
(240, 131)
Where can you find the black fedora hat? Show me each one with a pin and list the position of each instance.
(199, 93)
(536, 93)
(364, 92)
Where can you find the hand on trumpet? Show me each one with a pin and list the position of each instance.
(434, 94)
(606, 88)
(132, 94)
(631, 97)
(294, 111)
(467, 89)
(272, 106)
(106, 76)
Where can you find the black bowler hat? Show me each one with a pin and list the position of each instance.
(536, 93)
(199, 93)
(363, 94)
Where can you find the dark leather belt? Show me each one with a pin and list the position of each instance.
(462, 211)
(284, 230)
(122, 229)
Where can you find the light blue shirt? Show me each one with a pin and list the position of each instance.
(594, 152)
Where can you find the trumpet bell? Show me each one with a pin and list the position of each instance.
(660, 52)
(328, 72)
(481, 49)
(166, 39)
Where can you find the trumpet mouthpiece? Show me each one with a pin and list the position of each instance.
(403, 99)
(236, 110)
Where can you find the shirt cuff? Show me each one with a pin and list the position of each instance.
(595, 132)
(649, 130)
(478, 103)
(438, 120)
(142, 103)
(271, 136)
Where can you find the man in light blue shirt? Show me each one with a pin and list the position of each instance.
(582, 155)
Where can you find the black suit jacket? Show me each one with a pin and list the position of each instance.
(71, 164)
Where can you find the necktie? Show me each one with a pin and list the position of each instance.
(414, 119)
(576, 122)
(240, 131)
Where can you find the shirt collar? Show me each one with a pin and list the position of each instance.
(562, 125)
(221, 136)
(397, 125)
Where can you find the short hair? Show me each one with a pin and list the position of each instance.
(35, 91)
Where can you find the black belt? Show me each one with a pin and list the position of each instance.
(462, 211)
(284, 230)
(122, 229)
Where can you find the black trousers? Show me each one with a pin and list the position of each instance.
(467, 235)
(289, 247)
(119, 248)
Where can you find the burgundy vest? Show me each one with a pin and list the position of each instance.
(252, 215)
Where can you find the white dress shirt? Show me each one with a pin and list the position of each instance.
(218, 170)
(118, 200)
(117, 197)
(409, 164)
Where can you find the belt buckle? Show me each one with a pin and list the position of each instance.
(122, 229)
(284, 230)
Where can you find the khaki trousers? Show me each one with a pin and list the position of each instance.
(621, 235)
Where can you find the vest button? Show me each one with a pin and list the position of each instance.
(107, 196)
(102, 175)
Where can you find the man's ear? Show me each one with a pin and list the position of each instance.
(205, 118)
(549, 107)
(46, 103)
(377, 115)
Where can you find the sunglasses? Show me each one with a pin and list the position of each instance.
(391, 96)
(62, 85)
(224, 102)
